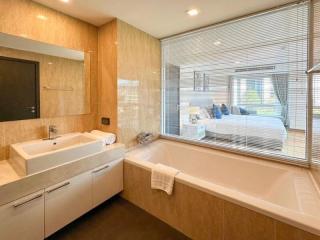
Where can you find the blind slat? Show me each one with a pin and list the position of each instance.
(256, 68)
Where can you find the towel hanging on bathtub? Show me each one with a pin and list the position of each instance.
(162, 177)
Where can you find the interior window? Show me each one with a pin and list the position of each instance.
(241, 86)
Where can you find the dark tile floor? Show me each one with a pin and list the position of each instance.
(117, 219)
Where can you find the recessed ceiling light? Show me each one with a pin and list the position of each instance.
(217, 43)
(193, 12)
(42, 17)
(65, 1)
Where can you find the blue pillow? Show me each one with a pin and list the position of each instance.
(243, 111)
(216, 112)
(224, 109)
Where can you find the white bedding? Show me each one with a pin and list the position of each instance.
(247, 125)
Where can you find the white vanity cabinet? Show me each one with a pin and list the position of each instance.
(23, 218)
(66, 201)
(40, 214)
(107, 180)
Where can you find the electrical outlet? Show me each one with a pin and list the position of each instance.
(105, 121)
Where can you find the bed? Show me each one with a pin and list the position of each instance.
(266, 132)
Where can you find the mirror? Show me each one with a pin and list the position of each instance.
(40, 80)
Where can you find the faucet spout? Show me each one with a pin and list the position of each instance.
(52, 131)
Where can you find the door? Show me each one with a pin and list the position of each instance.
(107, 181)
(66, 201)
(23, 218)
(19, 89)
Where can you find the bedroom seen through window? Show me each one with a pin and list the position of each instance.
(241, 85)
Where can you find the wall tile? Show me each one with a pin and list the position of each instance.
(195, 213)
(287, 232)
(139, 96)
(107, 76)
(243, 224)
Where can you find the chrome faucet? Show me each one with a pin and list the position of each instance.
(52, 131)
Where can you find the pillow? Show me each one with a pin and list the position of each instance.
(235, 110)
(216, 112)
(224, 109)
(243, 111)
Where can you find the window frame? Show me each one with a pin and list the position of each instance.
(247, 152)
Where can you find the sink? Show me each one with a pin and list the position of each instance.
(38, 155)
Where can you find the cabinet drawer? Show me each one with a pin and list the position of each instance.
(66, 201)
(23, 218)
(107, 180)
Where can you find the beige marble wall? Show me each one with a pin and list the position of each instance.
(129, 81)
(139, 100)
(200, 215)
(107, 77)
(58, 72)
(19, 17)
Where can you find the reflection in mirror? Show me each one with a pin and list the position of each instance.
(42, 80)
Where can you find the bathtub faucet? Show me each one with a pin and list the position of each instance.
(145, 138)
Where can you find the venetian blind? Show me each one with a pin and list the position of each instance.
(254, 66)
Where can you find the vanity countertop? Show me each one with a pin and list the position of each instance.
(13, 187)
(7, 173)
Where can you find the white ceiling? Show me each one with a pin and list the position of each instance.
(160, 18)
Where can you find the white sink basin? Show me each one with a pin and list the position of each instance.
(38, 155)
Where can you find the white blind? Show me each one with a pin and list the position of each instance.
(256, 67)
(316, 82)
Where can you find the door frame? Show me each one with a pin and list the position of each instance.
(37, 80)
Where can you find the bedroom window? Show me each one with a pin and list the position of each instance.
(256, 94)
(241, 85)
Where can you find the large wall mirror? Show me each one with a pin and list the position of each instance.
(40, 80)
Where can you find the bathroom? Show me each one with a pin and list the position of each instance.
(158, 120)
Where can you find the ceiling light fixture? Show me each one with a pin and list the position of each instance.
(193, 12)
(42, 17)
(65, 1)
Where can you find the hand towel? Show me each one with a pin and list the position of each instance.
(107, 138)
(162, 178)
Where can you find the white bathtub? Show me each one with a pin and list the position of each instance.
(283, 192)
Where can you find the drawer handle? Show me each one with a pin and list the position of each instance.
(100, 169)
(58, 187)
(27, 201)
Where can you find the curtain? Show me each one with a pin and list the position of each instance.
(280, 86)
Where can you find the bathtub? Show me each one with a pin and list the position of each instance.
(282, 192)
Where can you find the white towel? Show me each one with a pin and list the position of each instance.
(107, 138)
(162, 177)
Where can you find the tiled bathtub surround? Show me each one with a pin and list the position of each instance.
(201, 215)
(214, 180)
